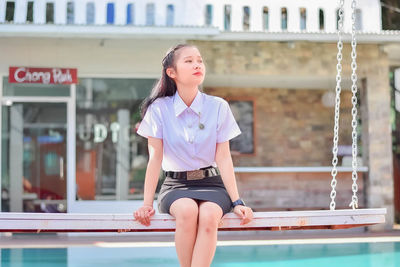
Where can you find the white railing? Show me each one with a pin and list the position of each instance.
(192, 13)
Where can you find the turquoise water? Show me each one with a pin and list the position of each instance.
(321, 255)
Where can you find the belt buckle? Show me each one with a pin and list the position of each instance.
(195, 175)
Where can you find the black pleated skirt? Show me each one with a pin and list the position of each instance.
(208, 189)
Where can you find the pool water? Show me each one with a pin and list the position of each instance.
(385, 254)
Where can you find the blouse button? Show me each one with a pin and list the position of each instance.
(191, 140)
(190, 126)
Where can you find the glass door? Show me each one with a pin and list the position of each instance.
(34, 157)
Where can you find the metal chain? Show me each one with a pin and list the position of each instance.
(337, 105)
(354, 187)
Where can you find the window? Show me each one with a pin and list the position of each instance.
(265, 18)
(10, 9)
(90, 13)
(51, 162)
(338, 18)
(150, 10)
(110, 13)
(209, 15)
(358, 22)
(130, 14)
(303, 19)
(246, 18)
(284, 19)
(244, 115)
(70, 13)
(34, 89)
(170, 15)
(34, 156)
(111, 158)
(49, 12)
(227, 17)
(321, 19)
(29, 12)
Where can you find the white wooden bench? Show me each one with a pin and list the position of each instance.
(281, 220)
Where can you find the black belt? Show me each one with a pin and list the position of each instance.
(194, 175)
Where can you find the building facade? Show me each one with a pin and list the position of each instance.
(72, 147)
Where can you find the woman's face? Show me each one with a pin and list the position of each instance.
(189, 67)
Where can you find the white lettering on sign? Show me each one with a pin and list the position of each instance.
(114, 129)
(60, 77)
(22, 75)
(84, 134)
(100, 132)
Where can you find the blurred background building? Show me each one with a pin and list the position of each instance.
(73, 74)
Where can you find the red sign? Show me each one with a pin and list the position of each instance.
(42, 75)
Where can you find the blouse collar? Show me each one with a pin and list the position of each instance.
(180, 106)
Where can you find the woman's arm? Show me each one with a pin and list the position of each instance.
(155, 146)
(224, 162)
(223, 159)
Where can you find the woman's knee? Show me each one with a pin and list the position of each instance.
(210, 215)
(185, 211)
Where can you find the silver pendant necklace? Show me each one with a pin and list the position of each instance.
(201, 125)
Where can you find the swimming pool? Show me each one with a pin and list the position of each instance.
(371, 254)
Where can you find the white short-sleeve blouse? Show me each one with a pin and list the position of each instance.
(186, 146)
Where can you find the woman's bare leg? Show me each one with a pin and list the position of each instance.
(210, 215)
(185, 211)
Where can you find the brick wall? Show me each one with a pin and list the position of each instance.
(291, 127)
(297, 191)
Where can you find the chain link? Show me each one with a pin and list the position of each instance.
(337, 106)
(354, 123)
(354, 187)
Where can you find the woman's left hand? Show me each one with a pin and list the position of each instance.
(246, 213)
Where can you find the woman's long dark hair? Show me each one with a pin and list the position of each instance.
(166, 85)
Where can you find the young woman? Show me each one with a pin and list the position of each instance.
(188, 135)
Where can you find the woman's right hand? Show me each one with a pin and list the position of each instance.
(143, 214)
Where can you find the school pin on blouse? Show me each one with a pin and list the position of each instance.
(201, 126)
